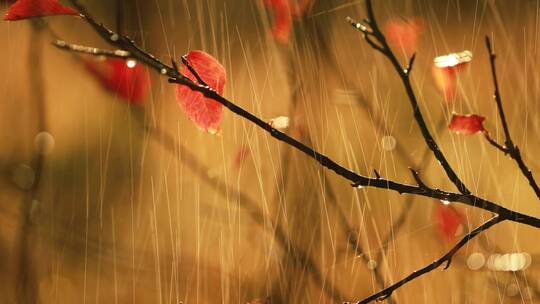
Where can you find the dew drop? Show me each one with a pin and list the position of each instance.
(131, 63)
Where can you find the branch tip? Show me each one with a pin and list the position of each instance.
(417, 178)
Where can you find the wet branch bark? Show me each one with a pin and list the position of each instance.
(509, 147)
(447, 258)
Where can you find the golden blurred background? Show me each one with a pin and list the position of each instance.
(123, 215)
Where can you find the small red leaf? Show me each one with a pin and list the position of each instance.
(445, 80)
(24, 9)
(466, 124)
(206, 113)
(283, 19)
(446, 69)
(404, 34)
(126, 78)
(283, 13)
(449, 222)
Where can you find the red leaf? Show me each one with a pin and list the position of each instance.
(283, 13)
(404, 34)
(24, 9)
(126, 78)
(467, 124)
(283, 21)
(445, 80)
(449, 222)
(446, 69)
(206, 113)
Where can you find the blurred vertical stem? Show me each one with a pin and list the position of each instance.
(25, 272)
(314, 38)
(245, 202)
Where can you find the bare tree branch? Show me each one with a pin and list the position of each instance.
(373, 30)
(447, 258)
(509, 147)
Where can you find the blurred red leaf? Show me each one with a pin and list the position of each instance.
(445, 80)
(282, 19)
(204, 112)
(241, 155)
(126, 78)
(449, 222)
(283, 13)
(24, 9)
(446, 69)
(466, 124)
(404, 34)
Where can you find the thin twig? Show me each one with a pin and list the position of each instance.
(447, 258)
(356, 179)
(494, 143)
(61, 44)
(509, 147)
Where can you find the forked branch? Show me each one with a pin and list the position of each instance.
(376, 39)
(509, 147)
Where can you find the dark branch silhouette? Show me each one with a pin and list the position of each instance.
(447, 258)
(372, 31)
(509, 147)
(376, 39)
